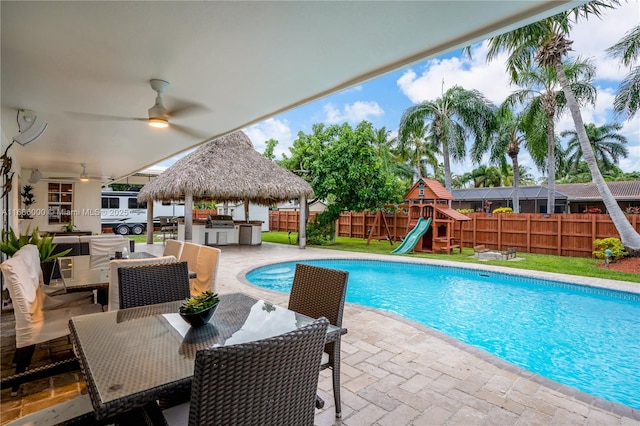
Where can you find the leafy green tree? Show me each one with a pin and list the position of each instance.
(627, 100)
(606, 142)
(546, 42)
(269, 148)
(343, 167)
(450, 119)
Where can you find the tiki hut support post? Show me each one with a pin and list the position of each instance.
(150, 222)
(246, 210)
(188, 215)
(302, 235)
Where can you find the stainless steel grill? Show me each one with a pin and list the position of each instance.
(219, 221)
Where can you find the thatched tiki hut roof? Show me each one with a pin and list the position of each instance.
(226, 169)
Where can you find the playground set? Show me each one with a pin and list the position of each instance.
(430, 221)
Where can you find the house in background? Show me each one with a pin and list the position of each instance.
(533, 199)
(582, 197)
(570, 198)
(293, 205)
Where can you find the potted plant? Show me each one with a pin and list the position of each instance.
(11, 244)
(27, 200)
(69, 227)
(198, 310)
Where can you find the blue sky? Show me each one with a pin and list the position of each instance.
(383, 100)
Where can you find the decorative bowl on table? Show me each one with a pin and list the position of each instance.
(198, 310)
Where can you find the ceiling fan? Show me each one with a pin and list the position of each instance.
(158, 115)
(82, 177)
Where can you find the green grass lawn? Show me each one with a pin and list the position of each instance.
(157, 237)
(538, 262)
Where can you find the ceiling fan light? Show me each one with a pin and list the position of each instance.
(84, 177)
(158, 123)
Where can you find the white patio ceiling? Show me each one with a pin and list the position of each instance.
(245, 61)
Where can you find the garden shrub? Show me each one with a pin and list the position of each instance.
(465, 210)
(613, 244)
(503, 210)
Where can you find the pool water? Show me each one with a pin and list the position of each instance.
(580, 336)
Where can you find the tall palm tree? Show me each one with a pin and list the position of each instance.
(385, 146)
(459, 113)
(546, 42)
(627, 100)
(416, 147)
(606, 142)
(508, 136)
(542, 97)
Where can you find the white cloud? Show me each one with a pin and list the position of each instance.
(354, 113)
(592, 37)
(438, 75)
(271, 128)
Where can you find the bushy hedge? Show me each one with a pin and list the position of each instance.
(503, 210)
(613, 244)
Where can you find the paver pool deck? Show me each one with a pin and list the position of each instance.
(394, 371)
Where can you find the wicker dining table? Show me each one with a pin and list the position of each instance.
(133, 357)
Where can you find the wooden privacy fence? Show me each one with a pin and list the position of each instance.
(559, 234)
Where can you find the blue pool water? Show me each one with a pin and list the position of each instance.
(580, 336)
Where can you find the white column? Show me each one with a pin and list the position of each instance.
(188, 216)
(302, 227)
(150, 222)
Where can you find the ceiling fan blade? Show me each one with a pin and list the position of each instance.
(87, 116)
(184, 108)
(189, 131)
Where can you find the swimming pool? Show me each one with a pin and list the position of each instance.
(583, 337)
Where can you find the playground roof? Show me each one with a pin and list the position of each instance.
(433, 190)
(453, 214)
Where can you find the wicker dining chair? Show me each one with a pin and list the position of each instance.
(113, 303)
(266, 382)
(320, 292)
(151, 284)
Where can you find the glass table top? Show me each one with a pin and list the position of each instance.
(127, 352)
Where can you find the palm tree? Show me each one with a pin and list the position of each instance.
(387, 152)
(485, 177)
(546, 42)
(607, 143)
(415, 146)
(627, 100)
(506, 140)
(450, 119)
(542, 97)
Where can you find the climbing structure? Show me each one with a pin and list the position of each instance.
(429, 200)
